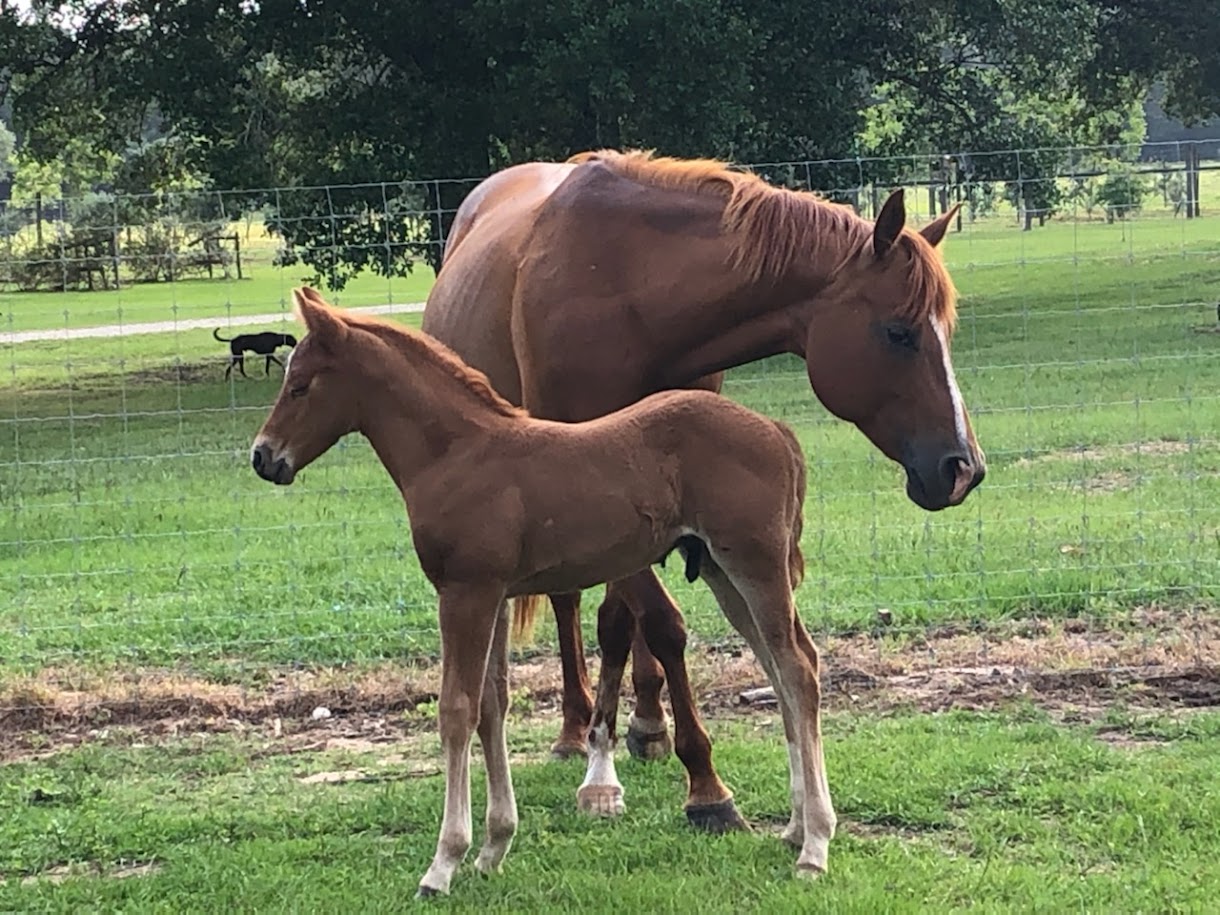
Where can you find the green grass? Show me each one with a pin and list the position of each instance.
(991, 812)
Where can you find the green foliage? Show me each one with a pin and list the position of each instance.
(1122, 193)
(289, 94)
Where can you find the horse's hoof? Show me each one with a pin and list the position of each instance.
(809, 871)
(426, 892)
(647, 746)
(716, 818)
(600, 800)
(567, 749)
(793, 837)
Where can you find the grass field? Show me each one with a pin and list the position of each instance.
(978, 811)
(136, 545)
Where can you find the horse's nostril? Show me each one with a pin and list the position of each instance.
(951, 466)
(256, 459)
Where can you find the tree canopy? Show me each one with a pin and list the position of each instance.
(255, 94)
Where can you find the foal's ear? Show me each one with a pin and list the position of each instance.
(934, 232)
(319, 318)
(890, 220)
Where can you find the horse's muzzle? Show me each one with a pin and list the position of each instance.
(274, 469)
(946, 482)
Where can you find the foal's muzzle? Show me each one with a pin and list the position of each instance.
(269, 467)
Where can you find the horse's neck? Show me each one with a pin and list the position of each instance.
(751, 323)
(419, 415)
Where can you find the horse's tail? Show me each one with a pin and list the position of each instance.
(796, 560)
(525, 616)
(216, 334)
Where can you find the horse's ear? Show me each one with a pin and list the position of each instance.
(934, 232)
(317, 316)
(890, 220)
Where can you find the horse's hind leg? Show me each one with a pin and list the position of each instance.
(601, 792)
(468, 620)
(734, 607)
(770, 602)
(647, 730)
(710, 804)
(501, 823)
(577, 699)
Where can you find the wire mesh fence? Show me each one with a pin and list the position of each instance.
(136, 538)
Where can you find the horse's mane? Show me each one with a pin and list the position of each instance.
(418, 346)
(772, 226)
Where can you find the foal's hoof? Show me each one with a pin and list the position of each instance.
(716, 818)
(569, 749)
(426, 892)
(809, 871)
(600, 800)
(647, 746)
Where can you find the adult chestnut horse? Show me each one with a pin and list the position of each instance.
(581, 287)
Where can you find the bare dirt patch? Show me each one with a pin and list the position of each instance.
(1151, 659)
(91, 870)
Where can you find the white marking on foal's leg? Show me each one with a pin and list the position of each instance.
(456, 829)
(794, 832)
(600, 793)
(955, 394)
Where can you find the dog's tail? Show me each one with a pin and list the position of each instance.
(525, 616)
(216, 334)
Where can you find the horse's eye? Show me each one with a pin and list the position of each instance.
(901, 335)
(298, 391)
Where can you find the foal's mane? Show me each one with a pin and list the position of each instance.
(772, 226)
(420, 347)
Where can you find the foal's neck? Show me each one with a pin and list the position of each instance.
(415, 413)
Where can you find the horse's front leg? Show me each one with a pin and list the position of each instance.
(709, 803)
(601, 792)
(468, 615)
(577, 699)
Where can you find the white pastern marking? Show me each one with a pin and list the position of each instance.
(601, 759)
(959, 410)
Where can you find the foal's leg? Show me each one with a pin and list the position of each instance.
(501, 804)
(734, 607)
(709, 804)
(770, 604)
(468, 621)
(601, 792)
(577, 699)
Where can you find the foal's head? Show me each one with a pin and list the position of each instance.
(317, 404)
(878, 356)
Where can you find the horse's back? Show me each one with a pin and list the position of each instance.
(470, 305)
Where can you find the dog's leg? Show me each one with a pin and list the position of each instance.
(271, 359)
(241, 365)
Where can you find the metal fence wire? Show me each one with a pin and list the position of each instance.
(134, 538)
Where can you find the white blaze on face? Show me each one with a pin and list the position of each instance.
(288, 361)
(955, 394)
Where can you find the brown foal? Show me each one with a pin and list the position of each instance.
(496, 512)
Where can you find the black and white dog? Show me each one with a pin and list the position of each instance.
(261, 344)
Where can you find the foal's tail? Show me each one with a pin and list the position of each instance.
(796, 560)
(525, 616)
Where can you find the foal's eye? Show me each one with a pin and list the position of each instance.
(298, 391)
(901, 335)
